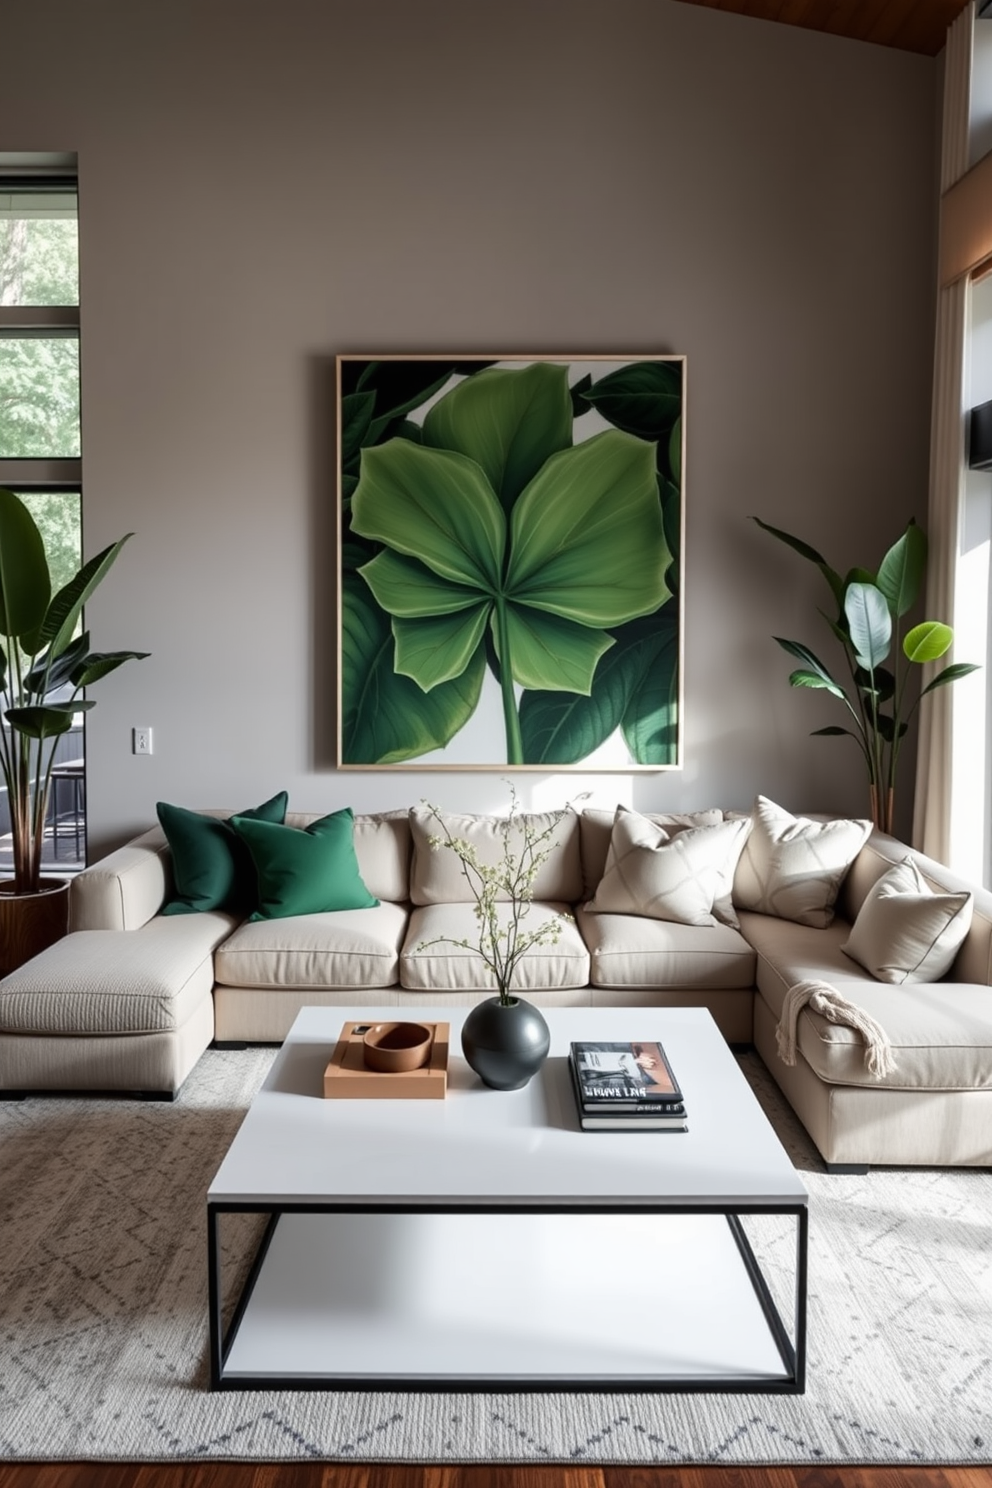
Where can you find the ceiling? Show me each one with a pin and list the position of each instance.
(910, 25)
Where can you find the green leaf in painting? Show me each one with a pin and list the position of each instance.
(551, 653)
(356, 415)
(409, 589)
(650, 723)
(386, 718)
(900, 574)
(587, 541)
(434, 505)
(675, 452)
(507, 421)
(577, 393)
(436, 649)
(642, 398)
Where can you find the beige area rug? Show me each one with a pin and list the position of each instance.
(103, 1336)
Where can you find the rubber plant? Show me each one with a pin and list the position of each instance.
(880, 698)
(44, 666)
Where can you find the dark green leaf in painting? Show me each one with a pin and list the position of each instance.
(436, 649)
(671, 516)
(349, 483)
(508, 421)
(400, 386)
(563, 728)
(642, 398)
(355, 552)
(587, 540)
(356, 415)
(578, 392)
(675, 452)
(549, 652)
(650, 725)
(433, 505)
(386, 718)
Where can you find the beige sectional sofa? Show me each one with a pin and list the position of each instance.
(131, 998)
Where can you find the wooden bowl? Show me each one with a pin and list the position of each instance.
(396, 1048)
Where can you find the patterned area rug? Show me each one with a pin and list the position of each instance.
(104, 1340)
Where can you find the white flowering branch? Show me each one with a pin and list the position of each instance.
(503, 942)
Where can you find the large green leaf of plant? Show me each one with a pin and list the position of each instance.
(810, 554)
(434, 505)
(642, 398)
(587, 540)
(928, 641)
(387, 718)
(25, 585)
(870, 623)
(44, 721)
(66, 607)
(101, 663)
(951, 673)
(509, 422)
(901, 571)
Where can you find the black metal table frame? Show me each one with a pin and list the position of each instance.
(791, 1350)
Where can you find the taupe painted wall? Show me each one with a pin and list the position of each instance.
(264, 185)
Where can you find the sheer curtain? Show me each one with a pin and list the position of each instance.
(933, 809)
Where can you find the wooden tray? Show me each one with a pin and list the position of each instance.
(346, 1077)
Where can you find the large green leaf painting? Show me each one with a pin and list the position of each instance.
(494, 541)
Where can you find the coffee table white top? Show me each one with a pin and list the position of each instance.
(514, 1148)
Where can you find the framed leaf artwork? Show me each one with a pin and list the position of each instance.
(510, 562)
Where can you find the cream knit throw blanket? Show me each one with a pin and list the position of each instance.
(836, 1008)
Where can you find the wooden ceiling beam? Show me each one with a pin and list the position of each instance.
(908, 25)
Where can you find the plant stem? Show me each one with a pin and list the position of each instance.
(511, 718)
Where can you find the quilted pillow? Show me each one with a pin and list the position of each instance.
(793, 867)
(686, 877)
(904, 931)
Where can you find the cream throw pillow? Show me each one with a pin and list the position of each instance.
(686, 877)
(904, 931)
(793, 867)
(436, 876)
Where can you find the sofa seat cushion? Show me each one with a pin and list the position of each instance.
(339, 948)
(452, 968)
(630, 951)
(940, 1032)
(116, 981)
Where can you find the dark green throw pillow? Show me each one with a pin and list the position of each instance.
(305, 870)
(211, 867)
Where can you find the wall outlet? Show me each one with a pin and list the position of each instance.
(141, 741)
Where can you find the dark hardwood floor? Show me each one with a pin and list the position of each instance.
(370, 1475)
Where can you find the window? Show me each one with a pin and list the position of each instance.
(40, 442)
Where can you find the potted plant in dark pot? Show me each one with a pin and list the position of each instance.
(505, 1039)
(44, 667)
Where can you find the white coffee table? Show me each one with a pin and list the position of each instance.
(484, 1241)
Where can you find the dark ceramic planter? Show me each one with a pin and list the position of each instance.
(505, 1046)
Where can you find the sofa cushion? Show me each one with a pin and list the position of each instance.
(904, 931)
(345, 948)
(382, 847)
(596, 828)
(941, 1034)
(305, 870)
(686, 878)
(116, 982)
(211, 867)
(444, 967)
(630, 951)
(436, 875)
(792, 867)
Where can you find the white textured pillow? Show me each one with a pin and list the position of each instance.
(904, 931)
(436, 877)
(686, 877)
(793, 867)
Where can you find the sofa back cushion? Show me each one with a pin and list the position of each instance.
(436, 876)
(596, 827)
(382, 847)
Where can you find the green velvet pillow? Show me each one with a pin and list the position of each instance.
(211, 867)
(305, 871)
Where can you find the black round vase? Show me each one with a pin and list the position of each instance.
(505, 1045)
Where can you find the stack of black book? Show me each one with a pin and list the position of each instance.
(625, 1087)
